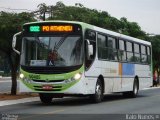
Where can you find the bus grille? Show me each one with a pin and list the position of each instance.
(54, 88)
(48, 81)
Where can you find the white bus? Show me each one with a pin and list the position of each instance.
(61, 58)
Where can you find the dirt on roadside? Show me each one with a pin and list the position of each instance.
(8, 96)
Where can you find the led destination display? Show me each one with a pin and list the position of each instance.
(51, 28)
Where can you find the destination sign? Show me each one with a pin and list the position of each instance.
(51, 28)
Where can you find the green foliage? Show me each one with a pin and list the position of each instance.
(94, 17)
(155, 40)
(10, 23)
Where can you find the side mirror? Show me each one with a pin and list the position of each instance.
(89, 49)
(14, 42)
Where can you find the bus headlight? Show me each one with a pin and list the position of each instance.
(21, 75)
(77, 76)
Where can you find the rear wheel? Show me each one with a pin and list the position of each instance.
(98, 96)
(135, 89)
(45, 98)
(134, 92)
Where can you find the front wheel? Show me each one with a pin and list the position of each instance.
(98, 96)
(45, 98)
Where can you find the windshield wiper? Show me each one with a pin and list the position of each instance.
(58, 45)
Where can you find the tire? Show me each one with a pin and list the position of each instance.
(45, 98)
(98, 96)
(134, 92)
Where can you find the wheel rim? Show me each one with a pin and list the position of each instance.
(98, 91)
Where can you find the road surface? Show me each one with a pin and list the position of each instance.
(5, 85)
(113, 107)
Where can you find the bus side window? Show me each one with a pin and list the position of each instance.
(143, 54)
(112, 48)
(136, 52)
(149, 55)
(122, 52)
(102, 47)
(90, 36)
(129, 49)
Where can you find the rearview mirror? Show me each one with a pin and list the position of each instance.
(89, 49)
(14, 42)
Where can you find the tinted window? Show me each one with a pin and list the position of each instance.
(136, 53)
(148, 51)
(91, 35)
(121, 45)
(143, 49)
(143, 54)
(102, 41)
(149, 55)
(111, 42)
(122, 52)
(136, 48)
(129, 49)
(112, 51)
(129, 46)
(102, 47)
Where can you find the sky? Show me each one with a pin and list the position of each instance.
(145, 12)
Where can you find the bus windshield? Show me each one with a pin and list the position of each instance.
(58, 51)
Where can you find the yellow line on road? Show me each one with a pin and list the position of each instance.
(57, 111)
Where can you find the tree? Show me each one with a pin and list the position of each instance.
(10, 23)
(155, 40)
(94, 17)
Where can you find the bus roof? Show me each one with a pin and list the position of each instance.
(86, 25)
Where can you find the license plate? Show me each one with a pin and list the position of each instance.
(47, 87)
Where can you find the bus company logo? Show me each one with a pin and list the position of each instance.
(31, 76)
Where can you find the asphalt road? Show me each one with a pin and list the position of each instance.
(113, 107)
(5, 85)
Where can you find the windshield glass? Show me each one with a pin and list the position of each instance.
(58, 51)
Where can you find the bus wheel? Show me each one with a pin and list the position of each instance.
(98, 96)
(45, 98)
(135, 89)
(134, 92)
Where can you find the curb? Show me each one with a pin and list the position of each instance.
(17, 101)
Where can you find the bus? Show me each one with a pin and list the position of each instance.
(70, 58)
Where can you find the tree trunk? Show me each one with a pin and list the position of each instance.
(14, 81)
(14, 63)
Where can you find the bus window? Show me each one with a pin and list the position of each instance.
(149, 55)
(102, 46)
(112, 50)
(136, 52)
(129, 49)
(122, 52)
(143, 54)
